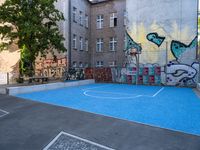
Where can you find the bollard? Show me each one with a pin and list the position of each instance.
(7, 78)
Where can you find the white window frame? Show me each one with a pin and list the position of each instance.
(81, 43)
(112, 64)
(81, 18)
(74, 43)
(74, 65)
(99, 21)
(74, 13)
(99, 64)
(99, 45)
(113, 44)
(86, 65)
(86, 45)
(86, 21)
(113, 16)
(80, 64)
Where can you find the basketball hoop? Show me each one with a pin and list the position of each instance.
(133, 52)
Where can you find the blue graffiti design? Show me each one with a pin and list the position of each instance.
(178, 48)
(130, 44)
(155, 38)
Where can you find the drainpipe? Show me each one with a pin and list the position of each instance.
(69, 35)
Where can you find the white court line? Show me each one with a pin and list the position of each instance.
(76, 137)
(158, 92)
(95, 87)
(110, 93)
(129, 96)
(102, 97)
(5, 112)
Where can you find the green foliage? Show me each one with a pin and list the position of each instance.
(32, 25)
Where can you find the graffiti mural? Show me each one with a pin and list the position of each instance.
(174, 36)
(183, 70)
(131, 44)
(74, 74)
(99, 74)
(155, 38)
(149, 74)
(180, 74)
(51, 68)
(181, 51)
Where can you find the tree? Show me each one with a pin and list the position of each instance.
(32, 25)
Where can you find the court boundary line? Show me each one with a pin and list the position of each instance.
(101, 97)
(158, 92)
(5, 113)
(94, 87)
(131, 96)
(76, 137)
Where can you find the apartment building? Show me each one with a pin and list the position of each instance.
(97, 33)
(79, 54)
(107, 33)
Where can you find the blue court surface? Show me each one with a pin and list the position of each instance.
(172, 108)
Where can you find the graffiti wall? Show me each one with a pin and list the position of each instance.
(54, 68)
(99, 74)
(150, 74)
(167, 33)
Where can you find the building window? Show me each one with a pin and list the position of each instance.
(81, 43)
(113, 44)
(80, 65)
(99, 21)
(81, 18)
(74, 13)
(112, 64)
(74, 65)
(99, 64)
(86, 65)
(113, 19)
(86, 21)
(99, 45)
(74, 41)
(86, 45)
(125, 18)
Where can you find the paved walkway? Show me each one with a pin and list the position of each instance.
(32, 126)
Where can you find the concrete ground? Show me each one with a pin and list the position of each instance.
(32, 125)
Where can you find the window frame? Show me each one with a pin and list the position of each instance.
(81, 18)
(86, 21)
(74, 14)
(74, 64)
(86, 45)
(81, 43)
(99, 45)
(113, 63)
(113, 43)
(100, 21)
(113, 19)
(74, 41)
(99, 64)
